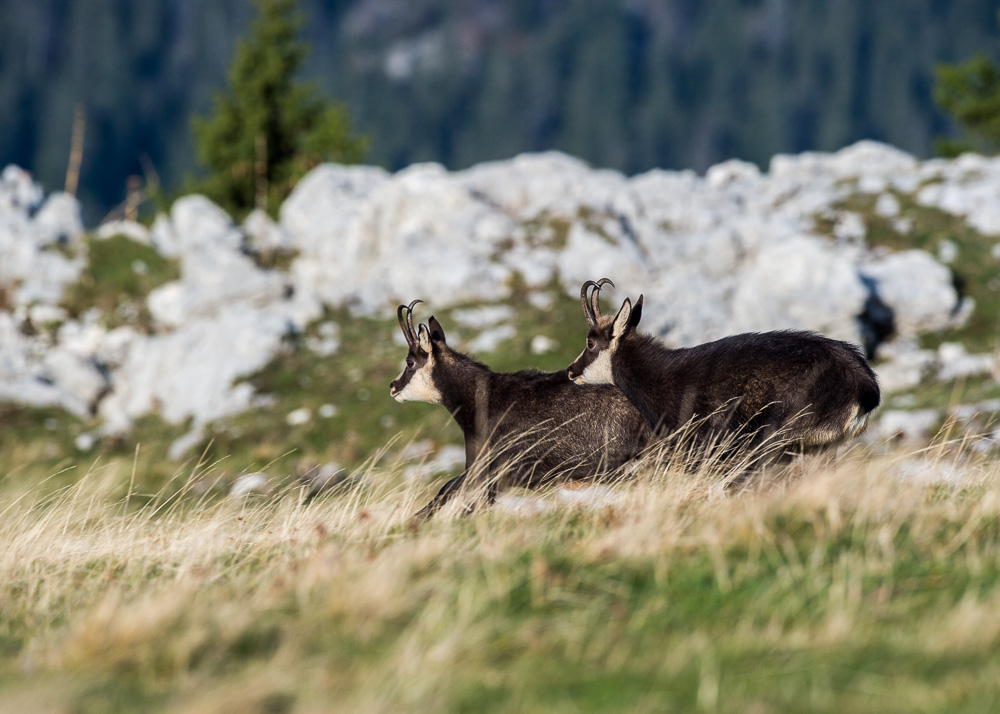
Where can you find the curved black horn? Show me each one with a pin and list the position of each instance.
(587, 305)
(409, 320)
(595, 297)
(401, 316)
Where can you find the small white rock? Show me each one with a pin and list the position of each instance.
(298, 417)
(887, 205)
(902, 225)
(489, 340)
(254, 482)
(850, 227)
(85, 441)
(542, 344)
(541, 300)
(478, 318)
(327, 410)
(947, 251)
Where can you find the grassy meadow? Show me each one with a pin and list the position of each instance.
(864, 582)
(848, 584)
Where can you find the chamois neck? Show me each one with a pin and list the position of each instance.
(463, 383)
(637, 358)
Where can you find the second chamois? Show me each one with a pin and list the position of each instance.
(807, 391)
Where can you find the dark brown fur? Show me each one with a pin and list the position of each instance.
(525, 428)
(809, 390)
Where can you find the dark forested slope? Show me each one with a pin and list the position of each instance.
(629, 84)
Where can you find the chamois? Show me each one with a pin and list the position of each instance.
(522, 429)
(808, 391)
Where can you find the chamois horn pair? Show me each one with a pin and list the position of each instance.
(591, 301)
(404, 313)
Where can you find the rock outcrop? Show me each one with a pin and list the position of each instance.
(734, 250)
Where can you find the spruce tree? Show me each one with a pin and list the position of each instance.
(268, 129)
(970, 92)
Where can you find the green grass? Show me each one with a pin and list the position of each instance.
(843, 590)
(119, 274)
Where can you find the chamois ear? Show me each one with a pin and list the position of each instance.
(424, 338)
(636, 313)
(622, 319)
(437, 332)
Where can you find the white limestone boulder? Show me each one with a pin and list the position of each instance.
(421, 229)
(32, 270)
(190, 372)
(59, 219)
(803, 283)
(215, 272)
(918, 288)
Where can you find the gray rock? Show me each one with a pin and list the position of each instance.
(189, 372)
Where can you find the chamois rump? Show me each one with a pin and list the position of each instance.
(799, 389)
(522, 429)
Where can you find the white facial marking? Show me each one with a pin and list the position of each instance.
(598, 371)
(421, 387)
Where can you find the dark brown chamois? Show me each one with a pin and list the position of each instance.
(804, 390)
(522, 429)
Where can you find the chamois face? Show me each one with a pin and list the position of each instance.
(416, 382)
(593, 366)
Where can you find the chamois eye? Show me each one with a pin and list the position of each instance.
(591, 344)
(409, 362)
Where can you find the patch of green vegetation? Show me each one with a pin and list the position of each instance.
(119, 274)
(63, 247)
(280, 260)
(37, 442)
(594, 221)
(547, 230)
(937, 394)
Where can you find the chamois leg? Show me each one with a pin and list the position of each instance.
(490, 497)
(443, 496)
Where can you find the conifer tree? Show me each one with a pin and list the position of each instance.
(970, 92)
(268, 129)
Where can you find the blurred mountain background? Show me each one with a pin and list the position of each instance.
(626, 84)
